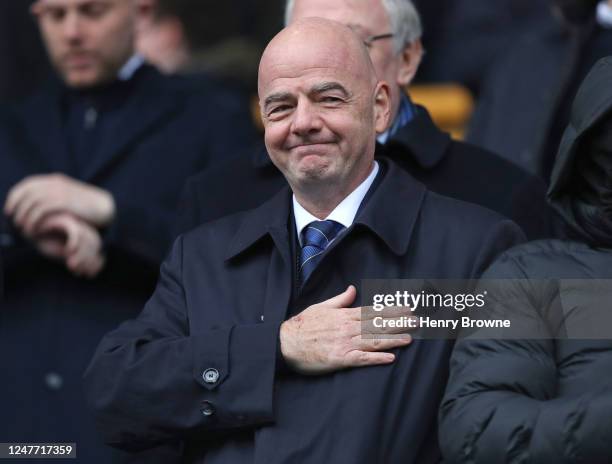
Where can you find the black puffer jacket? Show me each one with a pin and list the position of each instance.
(548, 399)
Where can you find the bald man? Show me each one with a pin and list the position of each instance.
(250, 349)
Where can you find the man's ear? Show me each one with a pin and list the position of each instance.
(145, 12)
(36, 8)
(410, 60)
(145, 7)
(382, 107)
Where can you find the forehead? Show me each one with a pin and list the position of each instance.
(70, 3)
(369, 16)
(306, 64)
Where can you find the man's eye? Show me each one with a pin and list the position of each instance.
(331, 99)
(56, 14)
(94, 10)
(278, 109)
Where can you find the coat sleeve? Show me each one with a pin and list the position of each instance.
(141, 230)
(500, 403)
(146, 381)
(499, 407)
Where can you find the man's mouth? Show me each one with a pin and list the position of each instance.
(78, 60)
(311, 145)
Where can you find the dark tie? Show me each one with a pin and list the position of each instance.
(316, 237)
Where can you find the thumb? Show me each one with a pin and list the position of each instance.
(344, 299)
(72, 230)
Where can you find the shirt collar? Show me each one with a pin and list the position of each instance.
(391, 213)
(604, 14)
(405, 114)
(132, 65)
(344, 213)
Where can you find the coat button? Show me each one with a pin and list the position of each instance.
(211, 375)
(54, 381)
(208, 409)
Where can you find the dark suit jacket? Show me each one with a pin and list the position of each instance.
(50, 320)
(452, 168)
(527, 96)
(223, 293)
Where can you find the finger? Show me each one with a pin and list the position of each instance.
(83, 251)
(74, 236)
(382, 344)
(398, 325)
(35, 216)
(354, 314)
(24, 208)
(15, 196)
(366, 358)
(351, 328)
(52, 223)
(343, 300)
(51, 247)
(77, 262)
(22, 190)
(94, 266)
(368, 312)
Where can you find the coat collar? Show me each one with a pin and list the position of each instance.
(422, 139)
(269, 219)
(390, 211)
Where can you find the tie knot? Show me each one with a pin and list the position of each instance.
(320, 233)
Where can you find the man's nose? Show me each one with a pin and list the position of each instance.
(72, 27)
(306, 118)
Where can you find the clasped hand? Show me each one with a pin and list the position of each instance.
(61, 216)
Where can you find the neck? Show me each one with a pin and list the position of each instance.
(321, 199)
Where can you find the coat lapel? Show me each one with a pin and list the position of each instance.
(279, 282)
(41, 118)
(148, 107)
(425, 142)
(269, 222)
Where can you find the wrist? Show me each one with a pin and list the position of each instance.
(107, 209)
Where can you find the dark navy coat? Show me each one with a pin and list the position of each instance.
(225, 289)
(50, 321)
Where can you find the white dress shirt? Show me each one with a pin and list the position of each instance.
(604, 14)
(344, 213)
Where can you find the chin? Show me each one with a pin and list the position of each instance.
(82, 80)
(313, 168)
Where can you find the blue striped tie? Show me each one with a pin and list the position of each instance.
(316, 237)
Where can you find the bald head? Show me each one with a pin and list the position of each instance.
(317, 42)
(322, 107)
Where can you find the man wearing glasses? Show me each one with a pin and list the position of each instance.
(391, 30)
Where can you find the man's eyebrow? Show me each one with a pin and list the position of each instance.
(276, 97)
(327, 86)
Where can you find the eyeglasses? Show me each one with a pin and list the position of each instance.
(368, 41)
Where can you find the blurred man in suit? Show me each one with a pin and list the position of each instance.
(92, 166)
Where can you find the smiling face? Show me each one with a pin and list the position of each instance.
(87, 40)
(322, 107)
